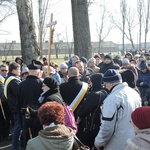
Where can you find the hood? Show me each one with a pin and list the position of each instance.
(141, 141)
(58, 137)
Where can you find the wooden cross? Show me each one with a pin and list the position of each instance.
(51, 25)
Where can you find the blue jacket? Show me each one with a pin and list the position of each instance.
(145, 78)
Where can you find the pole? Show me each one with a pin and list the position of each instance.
(2, 109)
(52, 26)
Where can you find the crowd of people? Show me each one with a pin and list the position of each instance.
(109, 96)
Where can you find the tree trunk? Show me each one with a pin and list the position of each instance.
(29, 46)
(81, 31)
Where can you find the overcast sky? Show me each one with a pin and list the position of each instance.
(62, 14)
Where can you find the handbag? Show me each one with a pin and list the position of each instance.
(78, 145)
(70, 119)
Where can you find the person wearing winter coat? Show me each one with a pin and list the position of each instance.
(116, 125)
(54, 135)
(90, 112)
(141, 123)
(108, 64)
(143, 82)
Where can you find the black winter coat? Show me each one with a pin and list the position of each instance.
(29, 92)
(70, 89)
(12, 91)
(105, 67)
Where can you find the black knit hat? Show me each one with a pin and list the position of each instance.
(129, 77)
(51, 82)
(112, 76)
(143, 65)
(108, 57)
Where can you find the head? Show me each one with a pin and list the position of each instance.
(79, 64)
(129, 77)
(14, 68)
(97, 58)
(111, 78)
(48, 71)
(74, 59)
(129, 56)
(143, 67)
(51, 112)
(125, 63)
(107, 59)
(34, 70)
(63, 68)
(19, 60)
(50, 83)
(91, 62)
(84, 60)
(96, 80)
(73, 72)
(4, 70)
(44, 59)
(140, 117)
(25, 72)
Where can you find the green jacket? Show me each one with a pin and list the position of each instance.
(58, 137)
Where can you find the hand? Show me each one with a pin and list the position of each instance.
(32, 111)
(141, 83)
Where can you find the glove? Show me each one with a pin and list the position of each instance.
(32, 112)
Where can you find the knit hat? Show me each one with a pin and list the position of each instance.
(51, 82)
(91, 62)
(108, 57)
(141, 117)
(112, 76)
(125, 61)
(32, 67)
(97, 56)
(143, 65)
(24, 70)
(129, 77)
(83, 59)
(63, 65)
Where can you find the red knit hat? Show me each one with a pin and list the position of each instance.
(141, 117)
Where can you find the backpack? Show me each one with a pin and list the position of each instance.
(69, 118)
(91, 120)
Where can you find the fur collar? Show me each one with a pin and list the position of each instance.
(134, 146)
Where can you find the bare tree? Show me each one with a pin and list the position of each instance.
(29, 46)
(103, 26)
(7, 9)
(140, 17)
(81, 30)
(123, 6)
(42, 10)
(146, 17)
(131, 24)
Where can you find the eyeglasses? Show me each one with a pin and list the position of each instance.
(63, 68)
(4, 70)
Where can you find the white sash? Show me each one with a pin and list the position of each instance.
(79, 97)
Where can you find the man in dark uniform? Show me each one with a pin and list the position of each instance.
(28, 94)
(10, 90)
(71, 89)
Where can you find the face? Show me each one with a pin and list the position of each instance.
(64, 70)
(107, 61)
(97, 60)
(128, 57)
(74, 61)
(45, 88)
(80, 67)
(4, 71)
(144, 70)
(25, 75)
(16, 71)
(108, 85)
(125, 66)
(19, 61)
